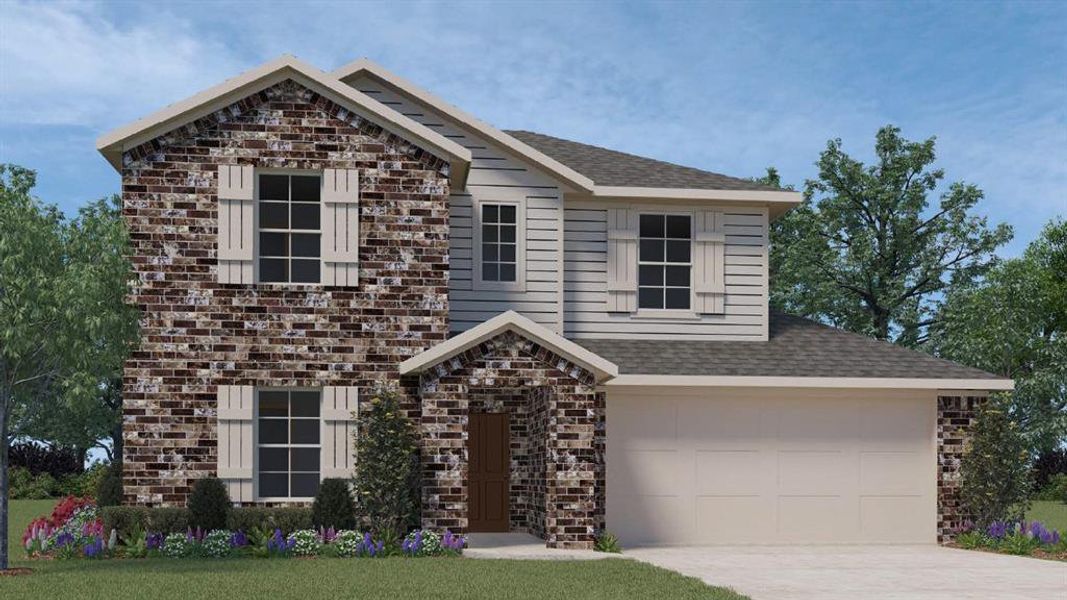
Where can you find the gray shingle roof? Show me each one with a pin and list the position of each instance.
(797, 348)
(612, 168)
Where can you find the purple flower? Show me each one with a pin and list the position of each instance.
(154, 541)
(64, 539)
(94, 548)
(998, 530)
(1043, 534)
(238, 539)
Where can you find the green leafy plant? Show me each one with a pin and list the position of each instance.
(386, 482)
(1018, 543)
(209, 504)
(606, 541)
(177, 545)
(305, 542)
(971, 540)
(135, 543)
(27, 486)
(109, 488)
(334, 506)
(995, 474)
(216, 544)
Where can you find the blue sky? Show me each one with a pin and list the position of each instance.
(729, 87)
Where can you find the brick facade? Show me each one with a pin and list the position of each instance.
(955, 417)
(198, 334)
(557, 416)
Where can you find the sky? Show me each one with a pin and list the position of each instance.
(729, 87)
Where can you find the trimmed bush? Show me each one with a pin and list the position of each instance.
(288, 518)
(171, 519)
(333, 506)
(209, 504)
(109, 487)
(125, 519)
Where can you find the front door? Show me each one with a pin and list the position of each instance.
(488, 472)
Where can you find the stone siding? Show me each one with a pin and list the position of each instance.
(955, 417)
(198, 334)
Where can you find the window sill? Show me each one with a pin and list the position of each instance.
(667, 314)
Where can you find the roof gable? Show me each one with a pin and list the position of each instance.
(114, 143)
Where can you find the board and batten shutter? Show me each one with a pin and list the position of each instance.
(340, 227)
(709, 281)
(235, 434)
(622, 260)
(236, 196)
(340, 405)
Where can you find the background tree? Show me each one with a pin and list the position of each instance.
(51, 315)
(864, 253)
(1013, 322)
(994, 473)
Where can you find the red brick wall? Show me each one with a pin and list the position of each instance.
(198, 334)
(955, 417)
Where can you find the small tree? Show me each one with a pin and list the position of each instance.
(995, 474)
(109, 489)
(209, 504)
(387, 471)
(333, 506)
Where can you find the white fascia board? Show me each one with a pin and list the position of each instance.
(117, 141)
(538, 158)
(777, 202)
(510, 321)
(810, 382)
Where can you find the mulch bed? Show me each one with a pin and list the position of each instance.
(15, 571)
(1042, 554)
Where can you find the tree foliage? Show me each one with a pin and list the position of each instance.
(1014, 323)
(387, 469)
(333, 506)
(866, 253)
(995, 480)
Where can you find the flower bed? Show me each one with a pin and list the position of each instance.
(1024, 539)
(74, 530)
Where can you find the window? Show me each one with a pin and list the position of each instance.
(289, 211)
(499, 242)
(664, 262)
(289, 448)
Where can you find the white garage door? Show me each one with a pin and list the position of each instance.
(715, 466)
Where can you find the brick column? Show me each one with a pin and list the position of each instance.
(573, 469)
(955, 417)
(444, 455)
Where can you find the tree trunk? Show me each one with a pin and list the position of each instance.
(116, 443)
(4, 491)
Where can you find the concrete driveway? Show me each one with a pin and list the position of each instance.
(864, 572)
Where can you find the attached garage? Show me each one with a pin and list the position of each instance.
(715, 465)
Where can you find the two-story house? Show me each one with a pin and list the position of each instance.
(582, 336)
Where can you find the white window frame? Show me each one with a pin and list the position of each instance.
(519, 285)
(257, 230)
(256, 444)
(667, 313)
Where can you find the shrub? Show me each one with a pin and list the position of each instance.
(347, 543)
(333, 506)
(1049, 464)
(217, 544)
(209, 504)
(605, 541)
(1055, 490)
(109, 486)
(169, 519)
(24, 485)
(995, 477)
(178, 545)
(305, 542)
(386, 482)
(37, 459)
(289, 518)
(125, 519)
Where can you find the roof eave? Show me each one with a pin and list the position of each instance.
(639, 380)
(114, 143)
(601, 368)
(538, 158)
(776, 202)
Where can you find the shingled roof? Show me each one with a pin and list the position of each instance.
(797, 348)
(612, 168)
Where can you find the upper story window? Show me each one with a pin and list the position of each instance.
(289, 446)
(664, 262)
(289, 228)
(499, 242)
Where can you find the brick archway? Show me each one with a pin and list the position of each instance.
(557, 441)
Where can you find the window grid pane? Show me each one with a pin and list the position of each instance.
(499, 244)
(289, 226)
(664, 262)
(289, 444)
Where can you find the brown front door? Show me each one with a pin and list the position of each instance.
(488, 472)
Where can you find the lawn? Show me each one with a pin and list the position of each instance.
(340, 578)
(1052, 513)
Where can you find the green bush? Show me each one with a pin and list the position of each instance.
(287, 518)
(995, 480)
(27, 486)
(387, 473)
(333, 506)
(209, 504)
(108, 489)
(1055, 490)
(607, 542)
(169, 519)
(125, 519)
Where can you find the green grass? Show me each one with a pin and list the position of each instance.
(1052, 513)
(340, 578)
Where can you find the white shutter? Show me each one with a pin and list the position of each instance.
(236, 197)
(710, 263)
(339, 408)
(622, 260)
(234, 429)
(340, 227)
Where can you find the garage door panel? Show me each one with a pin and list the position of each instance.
(650, 472)
(711, 424)
(646, 424)
(815, 424)
(892, 473)
(735, 519)
(815, 472)
(817, 519)
(894, 425)
(896, 519)
(655, 519)
(732, 473)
